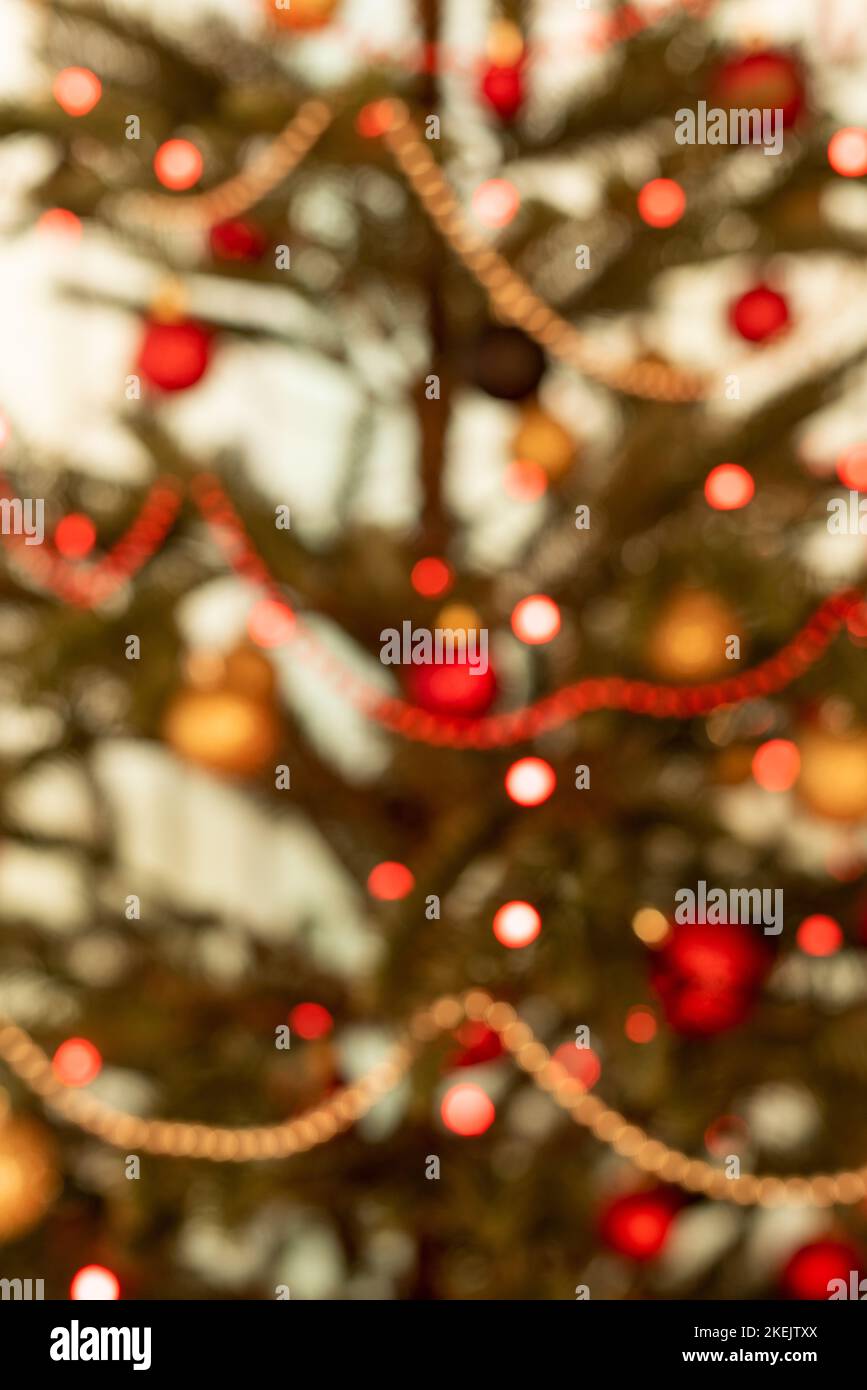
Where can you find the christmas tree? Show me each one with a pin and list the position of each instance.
(435, 768)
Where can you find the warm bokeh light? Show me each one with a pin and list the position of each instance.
(5, 431)
(582, 1063)
(530, 781)
(310, 1021)
(496, 202)
(75, 536)
(270, 623)
(760, 314)
(516, 924)
(467, 1110)
(77, 1062)
(661, 203)
(819, 936)
(847, 152)
(374, 119)
(525, 481)
(536, 619)
(651, 926)
(178, 164)
(94, 1283)
(729, 486)
(776, 765)
(640, 1025)
(77, 90)
(60, 222)
(852, 467)
(637, 1224)
(390, 881)
(431, 577)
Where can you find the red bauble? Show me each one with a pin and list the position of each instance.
(479, 1044)
(759, 314)
(811, 1269)
(502, 87)
(708, 975)
(173, 356)
(452, 689)
(765, 79)
(237, 240)
(638, 1224)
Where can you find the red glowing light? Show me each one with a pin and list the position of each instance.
(638, 1224)
(270, 623)
(94, 1283)
(776, 764)
(495, 202)
(310, 1021)
(760, 314)
(536, 619)
(847, 152)
(374, 119)
(852, 467)
(77, 1062)
(390, 881)
(661, 203)
(582, 1063)
(525, 480)
(431, 577)
(530, 781)
(75, 536)
(467, 1110)
(60, 222)
(178, 164)
(516, 924)
(640, 1026)
(729, 486)
(77, 90)
(819, 936)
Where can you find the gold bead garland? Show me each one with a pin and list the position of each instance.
(219, 1144)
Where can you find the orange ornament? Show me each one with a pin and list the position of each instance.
(689, 640)
(301, 15)
(226, 721)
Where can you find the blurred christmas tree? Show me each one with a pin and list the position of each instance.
(430, 321)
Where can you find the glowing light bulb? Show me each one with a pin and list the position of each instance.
(776, 765)
(536, 619)
(819, 936)
(390, 881)
(431, 577)
(77, 1062)
(530, 781)
(847, 152)
(467, 1110)
(729, 486)
(516, 924)
(495, 202)
(661, 203)
(94, 1283)
(76, 90)
(178, 164)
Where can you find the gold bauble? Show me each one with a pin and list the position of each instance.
(28, 1174)
(688, 639)
(301, 14)
(227, 731)
(833, 776)
(543, 440)
(458, 617)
